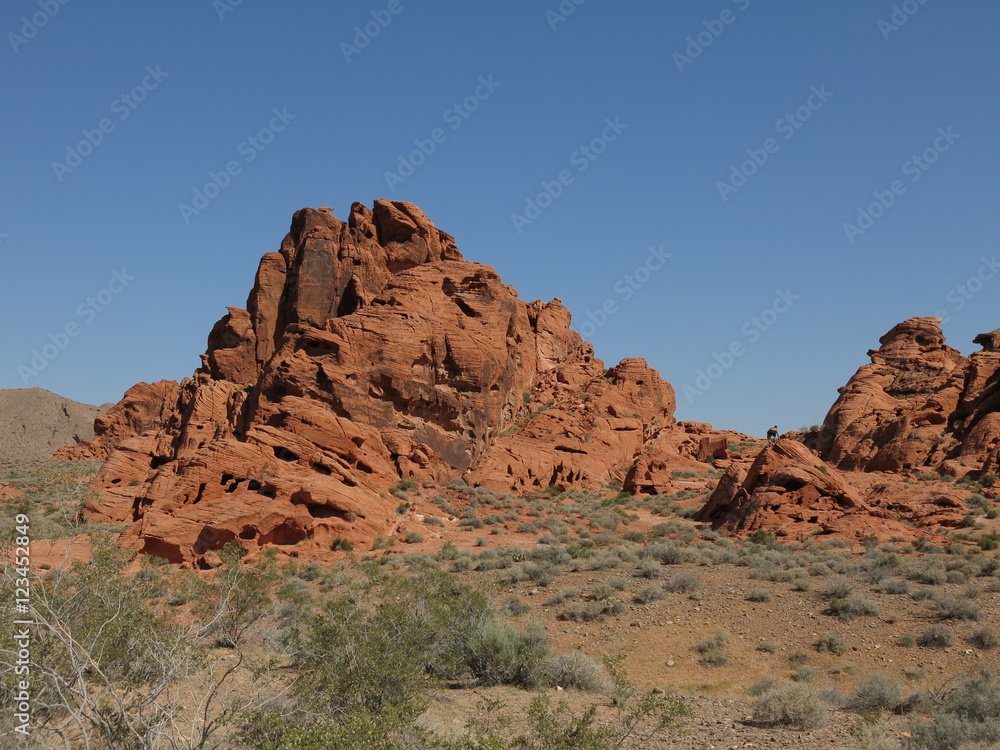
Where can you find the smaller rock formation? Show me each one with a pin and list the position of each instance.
(793, 494)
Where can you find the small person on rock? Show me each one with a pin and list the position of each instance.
(772, 434)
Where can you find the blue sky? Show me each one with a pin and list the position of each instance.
(765, 305)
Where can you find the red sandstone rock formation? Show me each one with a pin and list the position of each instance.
(790, 492)
(912, 404)
(369, 351)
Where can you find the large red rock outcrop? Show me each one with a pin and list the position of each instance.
(919, 404)
(369, 351)
(791, 493)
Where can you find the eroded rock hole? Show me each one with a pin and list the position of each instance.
(284, 454)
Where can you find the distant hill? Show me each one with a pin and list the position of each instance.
(34, 423)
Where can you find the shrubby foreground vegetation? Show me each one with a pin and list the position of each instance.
(250, 657)
(275, 656)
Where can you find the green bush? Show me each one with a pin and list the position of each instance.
(967, 715)
(648, 569)
(937, 636)
(833, 643)
(876, 693)
(791, 704)
(852, 607)
(595, 609)
(839, 588)
(575, 670)
(951, 608)
(985, 638)
(686, 582)
(500, 654)
(648, 593)
(895, 586)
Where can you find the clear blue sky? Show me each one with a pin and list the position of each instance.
(884, 94)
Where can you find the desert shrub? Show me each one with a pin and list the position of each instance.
(839, 588)
(413, 537)
(872, 734)
(876, 693)
(895, 586)
(686, 582)
(362, 657)
(604, 560)
(833, 643)
(792, 704)
(575, 670)
(561, 596)
(852, 607)
(767, 647)
(951, 608)
(648, 569)
(937, 636)
(906, 641)
(541, 573)
(985, 638)
(927, 573)
(967, 715)
(948, 731)
(955, 576)
(711, 650)
(515, 607)
(804, 673)
(759, 595)
(596, 609)
(648, 593)
(763, 686)
(667, 553)
(763, 538)
(714, 657)
(619, 583)
(500, 654)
